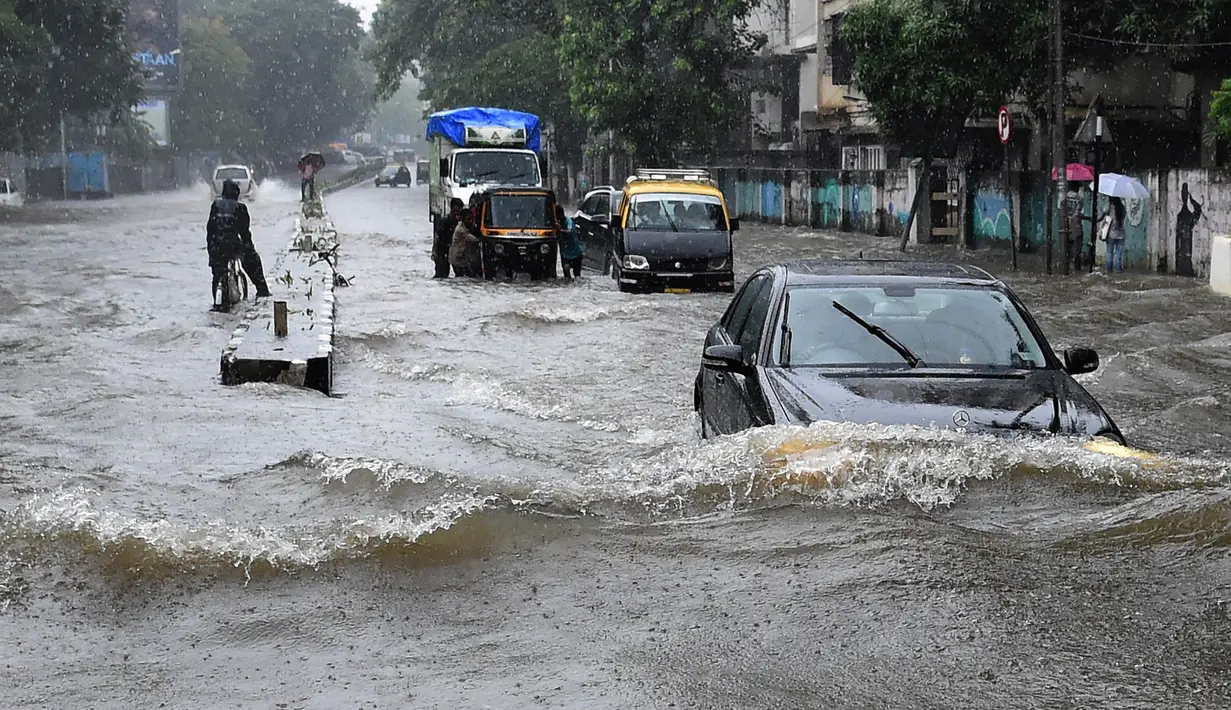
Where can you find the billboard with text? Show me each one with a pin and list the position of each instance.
(154, 30)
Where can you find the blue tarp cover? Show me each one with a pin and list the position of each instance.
(452, 124)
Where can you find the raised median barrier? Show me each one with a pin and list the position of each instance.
(1220, 265)
(288, 338)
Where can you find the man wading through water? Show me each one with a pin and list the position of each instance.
(228, 233)
(443, 238)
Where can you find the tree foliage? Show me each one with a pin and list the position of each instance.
(925, 70)
(655, 71)
(1220, 110)
(659, 72)
(62, 56)
(479, 52)
(212, 112)
(306, 81)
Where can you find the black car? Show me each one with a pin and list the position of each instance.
(890, 342)
(673, 234)
(394, 176)
(592, 222)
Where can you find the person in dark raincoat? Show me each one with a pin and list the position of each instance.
(465, 252)
(443, 238)
(229, 233)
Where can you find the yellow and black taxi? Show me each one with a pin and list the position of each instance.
(517, 230)
(673, 234)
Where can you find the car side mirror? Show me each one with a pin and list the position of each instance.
(444, 168)
(1079, 361)
(725, 357)
(735, 224)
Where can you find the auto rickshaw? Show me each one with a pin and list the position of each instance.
(517, 230)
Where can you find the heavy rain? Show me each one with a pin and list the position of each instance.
(433, 468)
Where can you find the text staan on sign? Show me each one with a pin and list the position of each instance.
(154, 34)
(1003, 125)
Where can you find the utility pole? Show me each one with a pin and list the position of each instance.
(1058, 154)
(63, 160)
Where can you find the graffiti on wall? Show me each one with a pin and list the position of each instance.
(993, 216)
(862, 208)
(1188, 217)
(828, 200)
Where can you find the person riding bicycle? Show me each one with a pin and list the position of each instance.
(228, 235)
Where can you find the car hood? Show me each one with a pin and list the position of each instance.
(676, 245)
(1041, 401)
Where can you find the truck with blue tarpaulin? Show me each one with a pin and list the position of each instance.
(472, 147)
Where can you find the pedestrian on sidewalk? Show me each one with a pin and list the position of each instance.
(571, 250)
(1113, 233)
(464, 251)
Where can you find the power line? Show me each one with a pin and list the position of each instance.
(1163, 45)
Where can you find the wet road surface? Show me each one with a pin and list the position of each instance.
(508, 504)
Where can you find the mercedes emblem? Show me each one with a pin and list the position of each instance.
(678, 264)
(961, 418)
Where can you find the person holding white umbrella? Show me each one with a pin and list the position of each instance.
(1118, 188)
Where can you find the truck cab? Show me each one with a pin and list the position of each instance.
(476, 147)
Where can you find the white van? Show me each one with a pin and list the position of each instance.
(241, 174)
(10, 196)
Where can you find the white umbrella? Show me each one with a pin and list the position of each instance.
(1124, 186)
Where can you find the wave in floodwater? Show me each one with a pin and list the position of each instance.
(448, 515)
(478, 389)
(547, 313)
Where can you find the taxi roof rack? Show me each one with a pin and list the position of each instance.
(671, 174)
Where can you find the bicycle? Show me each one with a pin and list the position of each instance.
(233, 289)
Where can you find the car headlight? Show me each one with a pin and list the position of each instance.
(634, 261)
(718, 263)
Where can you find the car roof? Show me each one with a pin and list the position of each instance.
(822, 271)
(641, 187)
(224, 167)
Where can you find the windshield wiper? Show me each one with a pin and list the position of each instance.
(788, 336)
(881, 333)
(667, 214)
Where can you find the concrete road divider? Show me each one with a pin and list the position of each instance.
(1220, 265)
(289, 338)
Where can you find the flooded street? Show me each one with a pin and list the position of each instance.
(507, 503)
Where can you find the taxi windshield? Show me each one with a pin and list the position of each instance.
(520, 212)
(677, 212)
(943, 326)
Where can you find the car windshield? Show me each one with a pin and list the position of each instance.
(677, 212)
(943, 326)
(520, 212)
(390, 171)
(231, 174)
(496, 168)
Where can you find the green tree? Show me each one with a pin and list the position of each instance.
(480, 52)
(66, 57)
(212, 111)
(307, 81)
(659, 72)
(1220, 110)
(925, 68)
